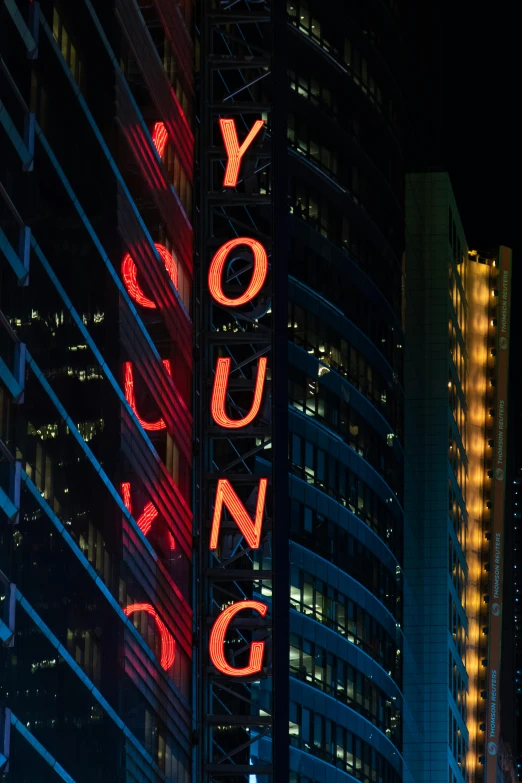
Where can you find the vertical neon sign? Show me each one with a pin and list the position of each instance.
(226, 496)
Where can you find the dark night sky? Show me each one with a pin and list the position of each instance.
(471, 98)
(465, 68)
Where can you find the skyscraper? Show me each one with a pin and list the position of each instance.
(96, 176)
(202, 444)
(457, 322)
(299, 393)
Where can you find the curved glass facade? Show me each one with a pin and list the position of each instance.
(345, 392)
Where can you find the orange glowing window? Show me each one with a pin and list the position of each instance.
(219, 395)
(168, 644)
(160, 137)
(250, 528)
(234, 151)
(217, 641)
(154, 426)
(217, 266)
(130, 276)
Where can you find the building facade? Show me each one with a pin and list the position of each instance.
(213, 567)
(299, 348)
(457, 319)
(96, 182)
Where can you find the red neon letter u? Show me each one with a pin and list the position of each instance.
(219, 394)
(217, 641)
(154, 426)
(234, 151)
(251, 529)
(168, 644)
(259, 274)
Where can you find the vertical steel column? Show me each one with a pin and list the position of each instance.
(235, 719)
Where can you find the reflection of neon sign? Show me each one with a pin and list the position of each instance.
(150, 426)
(168, 645)
(219, 394)
(234, 151)
(160, 137)
(217, 641)
(250, 528)
(130, 276)
(259, 273)
(148, 514)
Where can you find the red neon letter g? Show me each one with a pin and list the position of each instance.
(251, 529)
(234, 151)
(259, 274)
(217, 641)
(219, 394)
(168, 645)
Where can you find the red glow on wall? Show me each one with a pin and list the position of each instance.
(160, 137)
(233, 150)
(250, 528)
(149, 514)
(217, 641)
(168, 644)
(154, 426)
(217, 266)
(172, 542)
(130, 276)
(219, 394)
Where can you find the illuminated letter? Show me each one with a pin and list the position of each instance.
(258, 276)
(149, 514)
(168, 645)
(251, 529)
(129, 274)
(233, 150)
(217, 641)
(155, 426)
(159, 137)
(219, 394)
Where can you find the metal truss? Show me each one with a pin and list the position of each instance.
(235, 714)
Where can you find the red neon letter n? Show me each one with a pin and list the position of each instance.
(251, 529)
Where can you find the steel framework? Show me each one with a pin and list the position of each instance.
(236, 723)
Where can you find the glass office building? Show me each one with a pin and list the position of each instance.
(457, 323)
(96, 178)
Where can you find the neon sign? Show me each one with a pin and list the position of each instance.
(251, 529)
(219, 394)
(215, 273)
(234, 151)
(217, 641)
(221, 271)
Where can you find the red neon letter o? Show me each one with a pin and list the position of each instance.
(130, 276)
(258, 276)
(217, 641)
